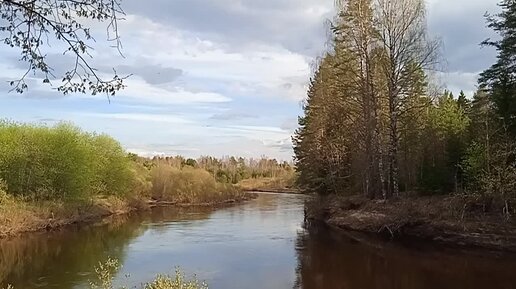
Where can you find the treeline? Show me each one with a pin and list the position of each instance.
(64, 163)
(230, 169)
(373, 125)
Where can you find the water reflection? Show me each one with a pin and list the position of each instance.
(329, 259)
(66, 258)
(256, 245)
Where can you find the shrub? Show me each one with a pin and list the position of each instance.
(61, 162)
(106, 272)
(188, 185)
(176, 282)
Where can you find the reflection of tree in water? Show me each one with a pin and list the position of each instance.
(328, 259)
(68, 257)
(65, 257)
(173, 214)
(266, 202)
(176, 214)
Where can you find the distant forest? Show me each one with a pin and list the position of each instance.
(229, 169)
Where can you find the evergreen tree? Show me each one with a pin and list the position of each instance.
(500, 79)
(463, 101)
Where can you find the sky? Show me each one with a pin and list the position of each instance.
(221, 77)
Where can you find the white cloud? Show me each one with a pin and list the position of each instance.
(260, 69)
(143, 92)
(140, 117)
(466, 81)
(238, 147)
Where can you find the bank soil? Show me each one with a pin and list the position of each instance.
(456, 221)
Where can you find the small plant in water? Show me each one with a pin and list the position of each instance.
(177, 282)
(106, 272)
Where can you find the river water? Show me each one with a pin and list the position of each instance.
(259, 244)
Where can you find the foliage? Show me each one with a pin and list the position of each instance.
(444, 146)
(176, 282)
(280, 183)
(230, 170)
(498, 177)
(360, 96)
(106, 272)
(499, 80)
(474, 164)
(365, 131)
(29, 25)
(496, 109)
(61, 162)
(4, 197)
(189, 185)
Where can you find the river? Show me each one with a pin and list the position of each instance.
(259, 244)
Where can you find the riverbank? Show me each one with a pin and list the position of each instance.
(448, 220)
(53, 176)
(20, 217)
(278, 191)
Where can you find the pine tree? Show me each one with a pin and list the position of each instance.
(500, 79)
(463, 101)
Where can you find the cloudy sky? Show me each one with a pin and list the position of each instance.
(222, 77)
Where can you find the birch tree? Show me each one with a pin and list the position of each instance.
(402, 31)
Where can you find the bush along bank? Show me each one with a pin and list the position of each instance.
(53, 176)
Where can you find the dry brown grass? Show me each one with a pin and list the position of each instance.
(190, 186)
(20, 216)
(281, 184)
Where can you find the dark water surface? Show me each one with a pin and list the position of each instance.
(259, 244)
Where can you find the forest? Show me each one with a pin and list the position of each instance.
(377, 124)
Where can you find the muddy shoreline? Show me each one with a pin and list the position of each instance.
(435, 220)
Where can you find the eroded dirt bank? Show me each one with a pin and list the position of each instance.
(455, 221)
